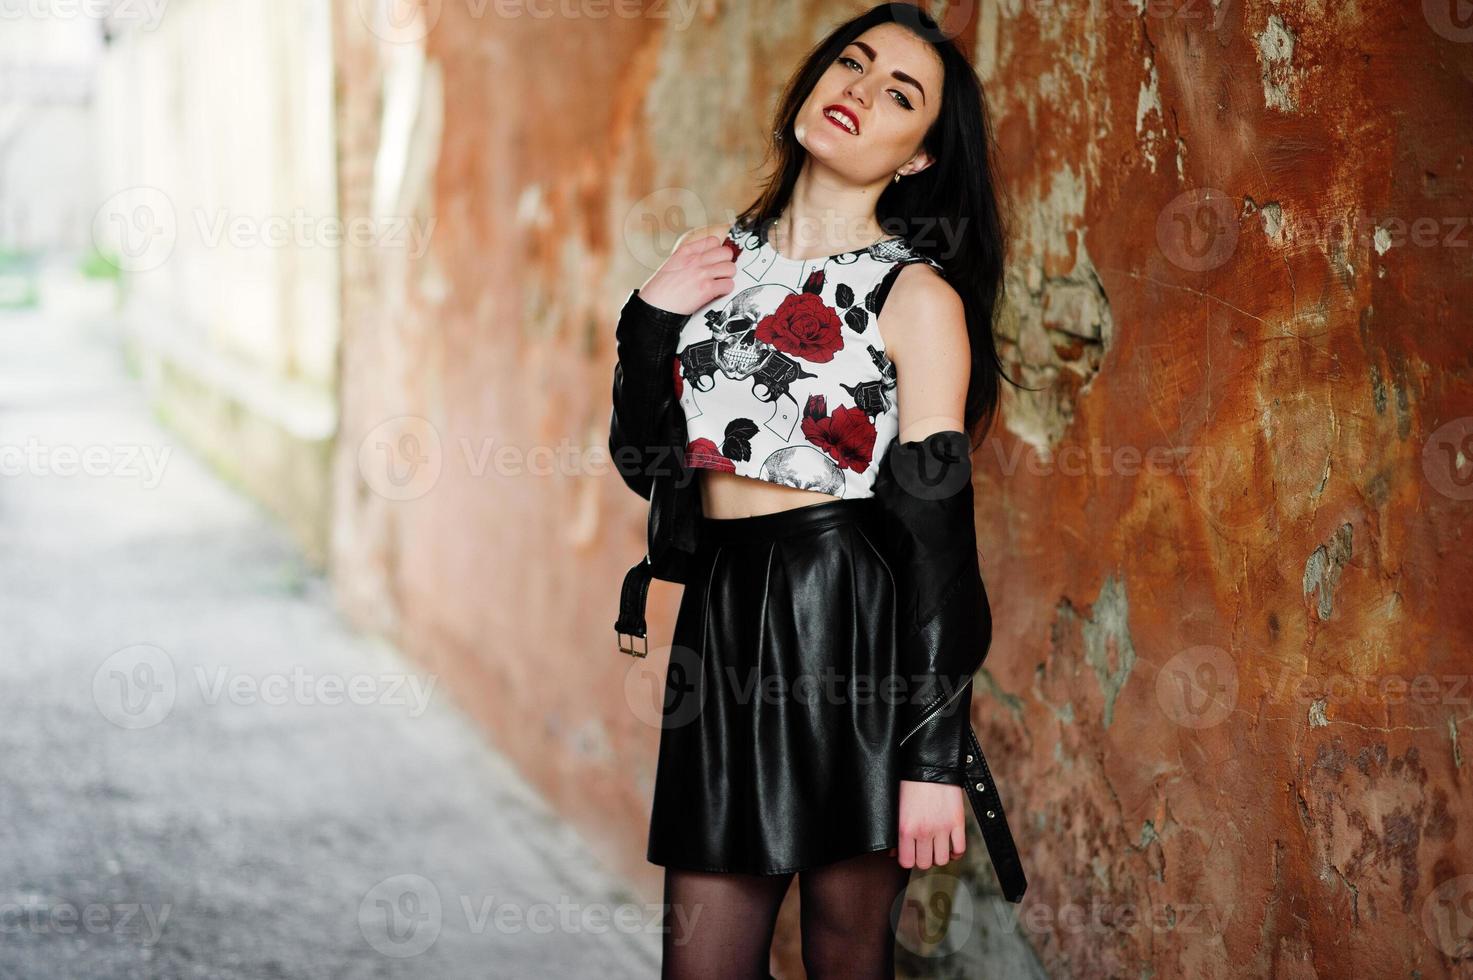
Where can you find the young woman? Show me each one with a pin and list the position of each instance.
(822, 359)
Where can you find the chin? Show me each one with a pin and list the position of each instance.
(828, 149)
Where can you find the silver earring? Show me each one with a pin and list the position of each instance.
(897, 178)
(777, 134)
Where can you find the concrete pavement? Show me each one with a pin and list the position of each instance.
(203, 772)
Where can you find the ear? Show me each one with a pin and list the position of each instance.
(917, 163)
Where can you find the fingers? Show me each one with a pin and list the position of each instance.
(718, 258)
(702, 268)
(711, 249)
(699, 246)
(923, 850)
(941, 848)
(719, 264)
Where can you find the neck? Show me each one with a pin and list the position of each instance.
(820, 219)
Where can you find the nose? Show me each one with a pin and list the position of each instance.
(856, 92)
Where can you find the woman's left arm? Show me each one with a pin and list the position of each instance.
(945, 625)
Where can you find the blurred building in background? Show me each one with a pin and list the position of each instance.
(49, 159)
(217, 153)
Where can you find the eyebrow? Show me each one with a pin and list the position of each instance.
(899, 76)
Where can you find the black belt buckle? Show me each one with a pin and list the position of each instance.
(631, 649)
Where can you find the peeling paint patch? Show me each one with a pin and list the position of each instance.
(1317, 717)
(1009, 700)
(1272, 216)
(1056, 337)
(1148, 101)
(1382, 240)
(1066, 713)
(1276, 55)
(1107, 632)
(1322, 570)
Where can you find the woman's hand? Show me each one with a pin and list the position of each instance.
(698, 271)
(933, 827)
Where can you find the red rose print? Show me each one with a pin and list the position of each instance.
(679, 382)
(703, 454)
(805, 326)
(848, 436)
(817, 407)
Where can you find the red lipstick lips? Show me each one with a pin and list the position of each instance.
(846, 112)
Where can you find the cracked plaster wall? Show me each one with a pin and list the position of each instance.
(1237, 503)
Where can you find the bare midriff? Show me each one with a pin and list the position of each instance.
(727, 495)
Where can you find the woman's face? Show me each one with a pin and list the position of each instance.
(887, 84)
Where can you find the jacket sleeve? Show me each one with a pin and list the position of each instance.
(944, 621)
(644, 392)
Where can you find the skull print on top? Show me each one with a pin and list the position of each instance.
(785, 378)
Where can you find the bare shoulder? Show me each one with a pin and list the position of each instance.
(923, 318)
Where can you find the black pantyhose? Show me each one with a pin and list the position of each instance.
(846, 907)
(720, 924)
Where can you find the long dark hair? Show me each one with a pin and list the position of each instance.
(955, 195)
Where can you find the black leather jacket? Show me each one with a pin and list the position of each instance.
(925, 488)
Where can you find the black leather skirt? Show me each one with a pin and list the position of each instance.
(777, 739)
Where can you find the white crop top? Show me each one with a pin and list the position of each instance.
(785, 378)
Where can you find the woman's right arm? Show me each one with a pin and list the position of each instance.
(697, 271)
(644, 391)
